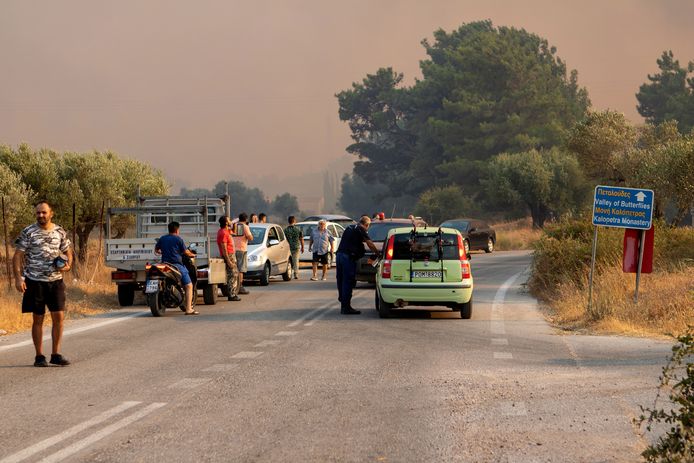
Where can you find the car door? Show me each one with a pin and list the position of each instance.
(477, 238)
(283, 250)
(272, 251)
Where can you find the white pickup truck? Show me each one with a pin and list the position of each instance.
(199, 224)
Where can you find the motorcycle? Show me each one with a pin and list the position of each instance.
(163, 286)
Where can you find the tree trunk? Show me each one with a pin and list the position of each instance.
(537, 212)
(83, 233)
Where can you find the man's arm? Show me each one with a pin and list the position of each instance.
(372, 246)
(70, 257)
(17, 262)
(247, 233)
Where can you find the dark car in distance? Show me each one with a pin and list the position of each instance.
(378, 231)
(477, 234)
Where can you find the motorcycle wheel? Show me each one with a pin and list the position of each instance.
(155, 304)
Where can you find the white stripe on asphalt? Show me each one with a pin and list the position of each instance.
(246, 355)
(189, 383)
(308, 315)
(81, 329)
(499, 342)
(78, 428)
(89, 440)
(286, 333)
(321, 315)
(503, 355)
(267, 343)
(497, 315)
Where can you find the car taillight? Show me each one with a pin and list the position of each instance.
(465, 269)
(202, 273)
(461, 247)
(122, 275)
(385, 272)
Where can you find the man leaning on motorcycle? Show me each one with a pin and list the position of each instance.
(172, 249)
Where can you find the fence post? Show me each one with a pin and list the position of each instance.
(7, 246)
(101, 232)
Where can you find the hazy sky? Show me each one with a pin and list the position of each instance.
(215, 89)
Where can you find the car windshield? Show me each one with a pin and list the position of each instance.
(307, 228)
(379, 230)
(425, 246)
(258, 235)
(457, 224)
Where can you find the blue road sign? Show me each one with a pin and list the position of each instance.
(623, 207)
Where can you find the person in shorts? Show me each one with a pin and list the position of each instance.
(323, 245)
(42, 255)
(172, 249)
(241, 238)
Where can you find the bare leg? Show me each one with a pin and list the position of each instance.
(314, 267)
(37, 333)
(325, 270)
(240, 280)
(57, 330)
(189, 297)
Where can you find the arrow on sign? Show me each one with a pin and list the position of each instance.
(640, 196)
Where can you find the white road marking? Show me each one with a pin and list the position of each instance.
(222, 367)
(497, 315)
(514, 409)
(308, 315)
(503, 355)
(286, 333)
(247, 355)
(326, 312)
(499, 342)
(188, 383)
(81, 329)
(267, 343)
(78, 428)
(89, 440)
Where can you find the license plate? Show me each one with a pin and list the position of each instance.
(426, 274)
(152, 286)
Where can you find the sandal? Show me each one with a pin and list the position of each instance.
(194, 312)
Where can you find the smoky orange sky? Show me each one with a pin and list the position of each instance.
(206, 90)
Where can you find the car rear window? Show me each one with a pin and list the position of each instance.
(379, 230)
(425, 247)
(457, 224)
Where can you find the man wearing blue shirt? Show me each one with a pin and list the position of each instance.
(172, 249)
(351, 249)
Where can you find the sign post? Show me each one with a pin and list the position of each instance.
(620, 207)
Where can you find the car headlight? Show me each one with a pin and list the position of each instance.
(253, 258)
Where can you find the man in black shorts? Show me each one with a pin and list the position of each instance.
(42, 254)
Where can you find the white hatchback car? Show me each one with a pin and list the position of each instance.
(268, 253)
(335, 229)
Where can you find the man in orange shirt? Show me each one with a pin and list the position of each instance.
(226, 250)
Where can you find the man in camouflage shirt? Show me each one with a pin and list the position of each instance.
(296, 243)
(42, 255)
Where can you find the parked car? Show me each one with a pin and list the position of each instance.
(341, 219)
(335, 229)
(378, 231)
(268, 253)
(425, 267)
(476, 233)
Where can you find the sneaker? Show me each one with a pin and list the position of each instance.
(57, 359)
(243, 290)
(314, 279)
(234, 298)
(296, 277)
(350, 311)
(324, 278)
(40, 361)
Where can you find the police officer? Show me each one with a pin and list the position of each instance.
(351, 249)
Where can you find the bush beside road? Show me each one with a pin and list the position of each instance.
(561, 271)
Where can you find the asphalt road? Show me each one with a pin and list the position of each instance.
(282, 376)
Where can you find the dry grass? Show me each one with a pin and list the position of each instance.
(83, 298)
(666, 297)
(516, 235)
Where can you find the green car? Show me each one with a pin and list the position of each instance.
(424, 267)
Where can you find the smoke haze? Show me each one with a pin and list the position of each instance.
(207, 90)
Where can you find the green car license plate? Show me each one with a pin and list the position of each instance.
(426, 274)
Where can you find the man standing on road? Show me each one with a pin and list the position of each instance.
(351, 249)
(296, 243)
(226, 250)
(322, 243)
(42, 255)
(243, 235)
(172, 249)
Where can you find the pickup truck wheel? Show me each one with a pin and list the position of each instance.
(126, 294)
(209, 294)
(287, 276)
(265, 276)
(466, 310)
(155, 305)
(490, 245)
(382, 307)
